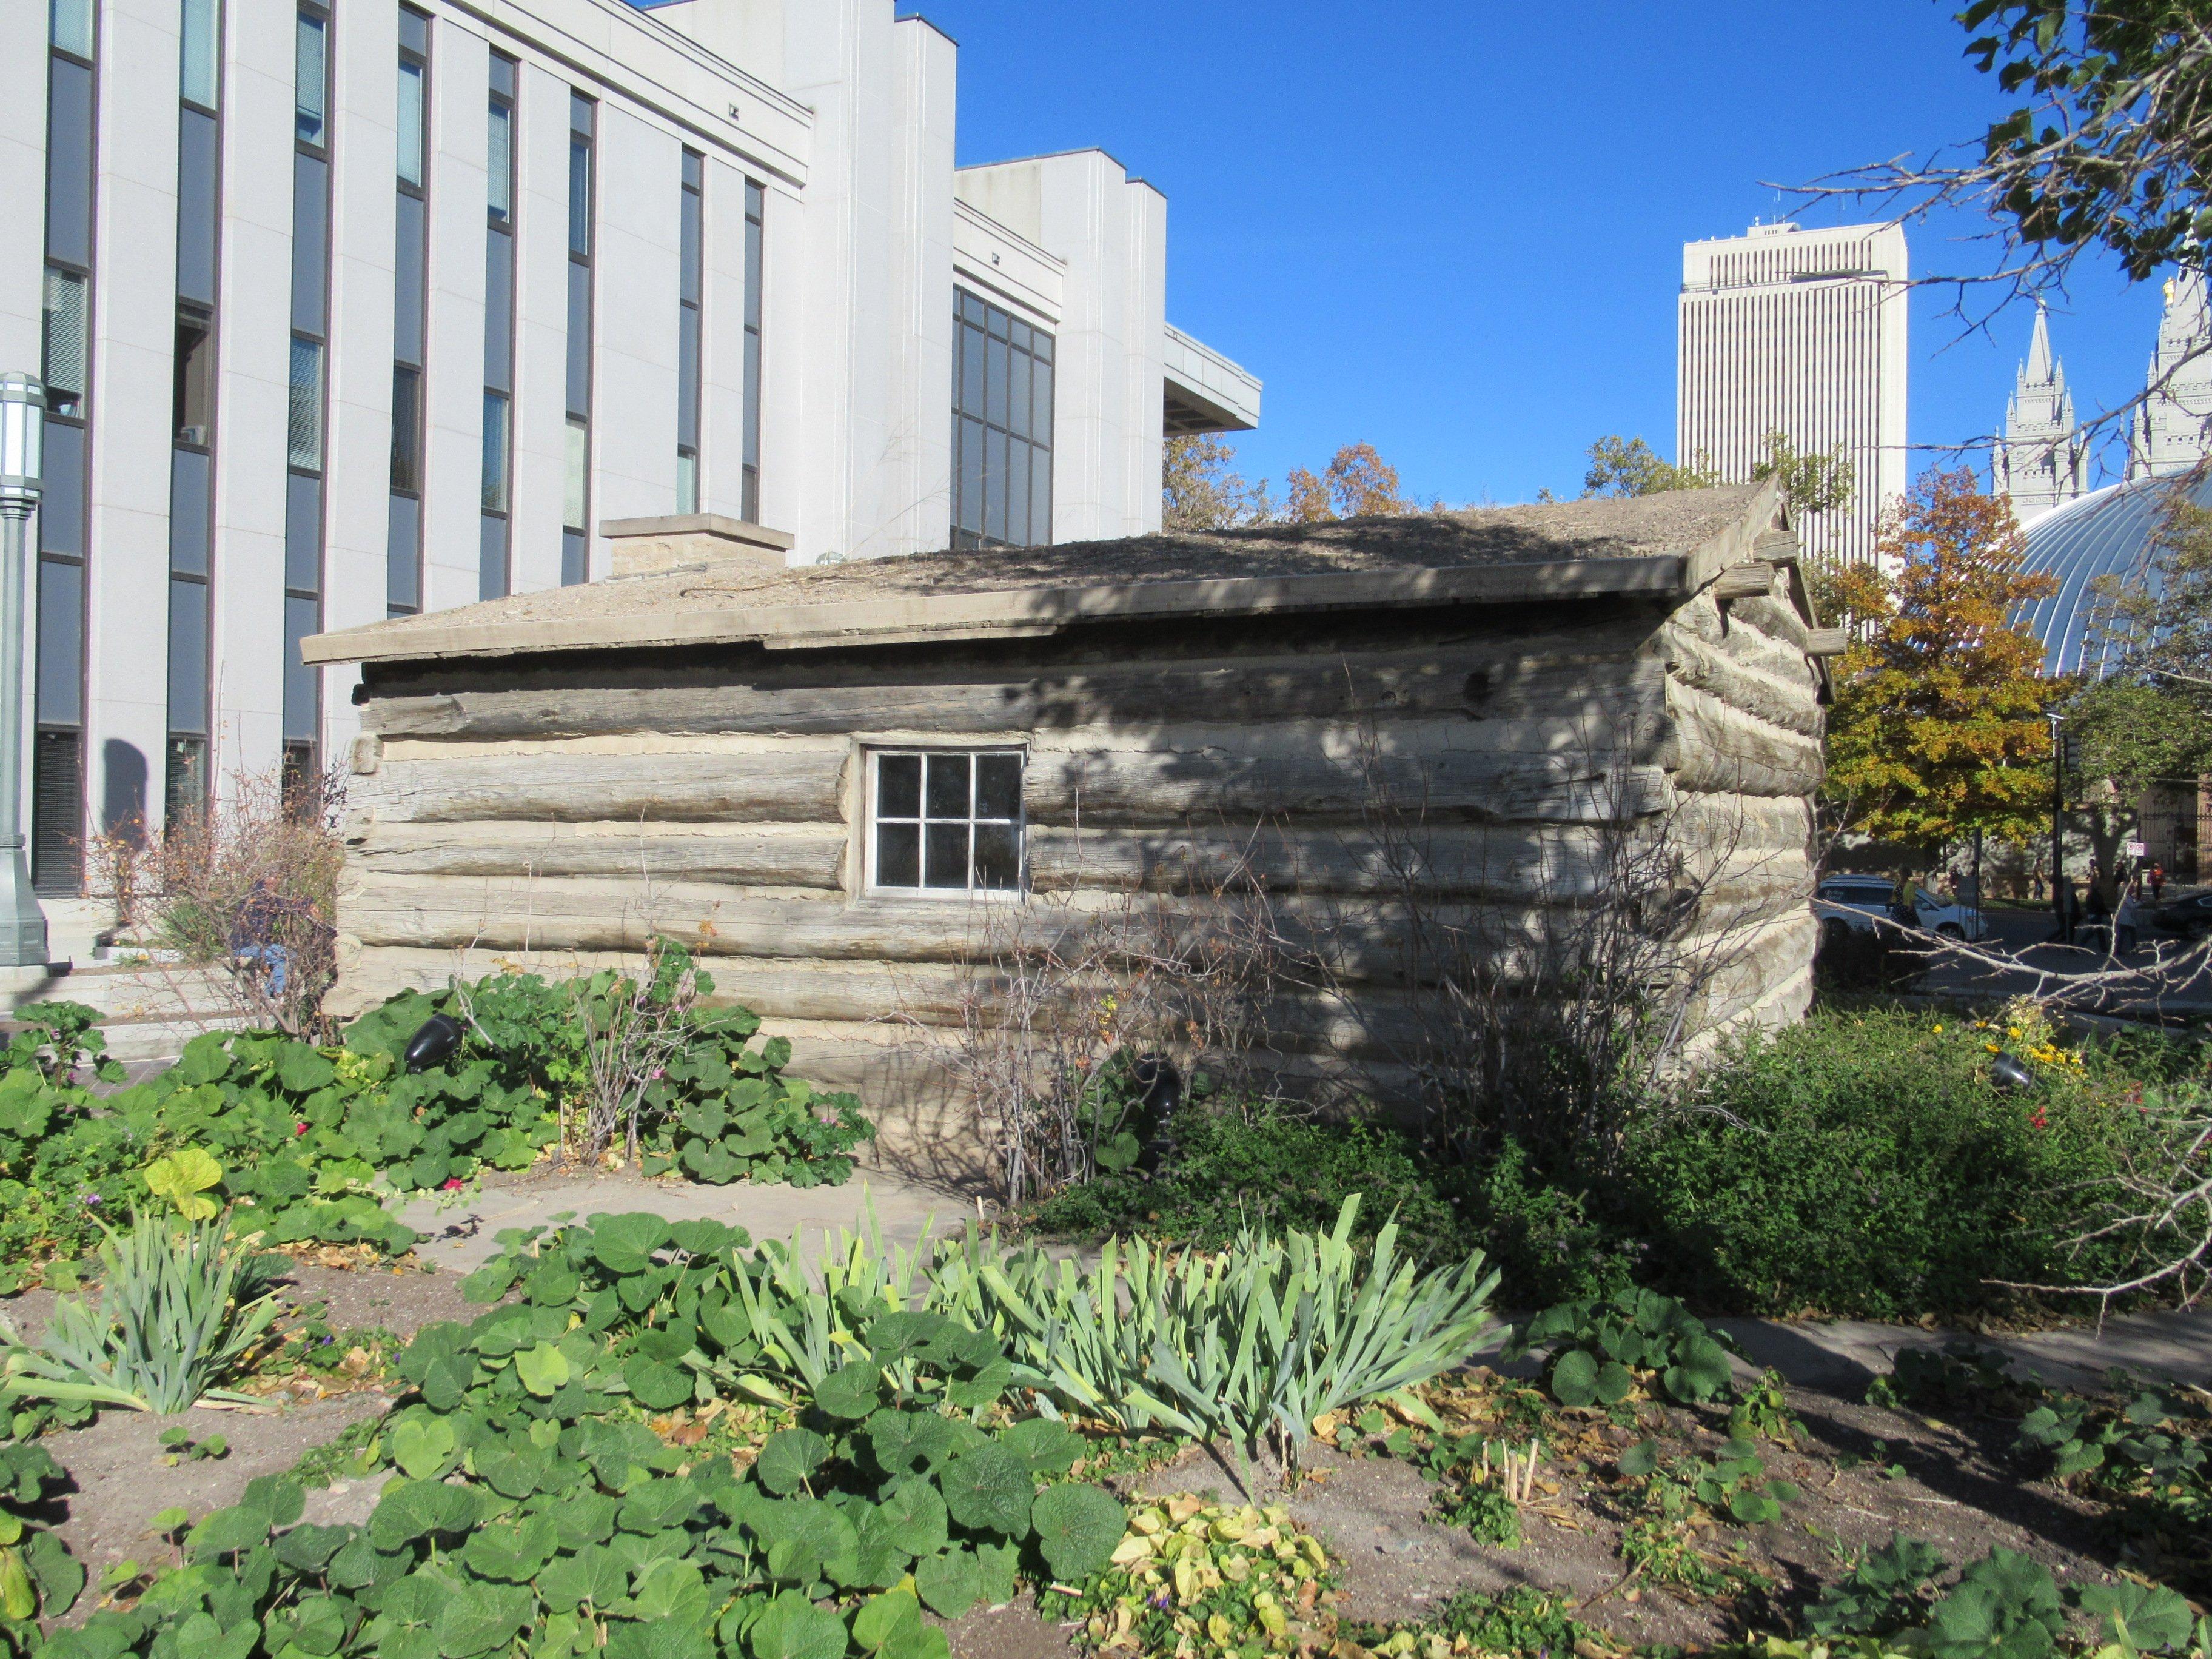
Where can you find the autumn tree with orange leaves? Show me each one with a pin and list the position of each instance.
(1359, 483)
(1938, 726)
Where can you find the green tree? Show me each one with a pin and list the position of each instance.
(1818, 481)
(1939, 725)
(1630, 467)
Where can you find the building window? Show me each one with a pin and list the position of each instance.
(58, 794)
(944, 821)
(576, 498)
(690, 287)
(303, 495)
(495, 571)
(192, 461)
(1002, 375)
(402, 553)
(756, 201)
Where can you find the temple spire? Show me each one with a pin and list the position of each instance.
(2172, 430)
(2042, 460)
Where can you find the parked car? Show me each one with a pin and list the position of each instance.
(2190, 917)
(1856, 901)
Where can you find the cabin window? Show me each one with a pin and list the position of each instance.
(944, 820)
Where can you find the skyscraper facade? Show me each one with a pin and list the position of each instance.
(1801, 332)
(2043, 459)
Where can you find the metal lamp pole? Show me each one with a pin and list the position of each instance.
(2058, 827)
(22, 431)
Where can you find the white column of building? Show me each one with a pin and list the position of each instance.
(541, 332)
(22, 187)
(915, 509)
(357, 469)
(453, 394)
(1112, 232)
(134, 331)
(636, 269)
(253, 341)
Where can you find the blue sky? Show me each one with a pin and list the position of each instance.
(1454, 231)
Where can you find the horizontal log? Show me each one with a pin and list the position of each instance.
(784, 855)
(1755, 580)
(1335, 677)
(1724, 749)
(1733, 820)
(1791, 703)
(774, 786)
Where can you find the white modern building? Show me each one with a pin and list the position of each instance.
(2171, 432)
(1801, 332)
(2043, 459)
(354, 308)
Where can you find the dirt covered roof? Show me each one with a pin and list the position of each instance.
(1550, 550)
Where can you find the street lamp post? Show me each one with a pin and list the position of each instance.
(22, 431)
(2059, 828)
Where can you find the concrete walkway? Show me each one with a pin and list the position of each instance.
(1838, 1356)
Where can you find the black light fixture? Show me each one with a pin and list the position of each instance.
(1159, 1086)
(436, 1040)
(2008, 1072)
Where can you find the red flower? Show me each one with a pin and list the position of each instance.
(299, 1128)
(454, 1184)
(2038, 1120)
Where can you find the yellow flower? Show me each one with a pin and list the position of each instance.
(1939, 1030)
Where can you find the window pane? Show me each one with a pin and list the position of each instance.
(752, 404)
(898, 855)
(64, 342)
(997, 786)
(413, 31)
(998, 857)
(575, 558)
(688, 278)
(188, 656)
(410, 124)
(1041, 402)
(948, 787)
(69, 25)
(307, 75)
(503, 76)
(305, 422)
(406, 427)
(58, 812)
(898, 785)
(311, 210)
(580, 339)
(499, 161)
(495, 452)
(580, 195)
(1018, 394)
(947, 862)
(407, 313)
(687, 378)
(577, 476)
(61, 505)
(200, 55)
(69, 162)
(196, 207)
(193, 400)
(302, 618)
(995, 383)
(184, 790)
(61, 642)
(1018, 492)
(491, 559)
(969, 462)
(1041, 345)
(687, 482)
(188, 512)
(972, 352)
(752, 273)
(402, 568)
(1040, 497)
(994, 484)
(499, 310)
(303, 534)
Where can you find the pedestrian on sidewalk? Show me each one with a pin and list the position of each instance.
(2157, 881)
(2125, 920)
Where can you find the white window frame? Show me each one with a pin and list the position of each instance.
(873, 755)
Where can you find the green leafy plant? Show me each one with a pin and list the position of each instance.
(1599, 1353)
(1762, 1411)
(1885, 1592)
(1661, 1539)
(179, 1446)
(180, 1312)
(1953, 1380)
(38, 1578)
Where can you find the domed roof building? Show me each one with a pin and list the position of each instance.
(2107, 532)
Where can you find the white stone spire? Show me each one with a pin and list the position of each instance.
(2171, 431)
(2042, 460)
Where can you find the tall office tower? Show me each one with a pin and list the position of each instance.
(1800, 332)
(2043, 459)
(2171, 431)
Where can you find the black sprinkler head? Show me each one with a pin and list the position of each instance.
(434, 1042)
(2009, 1073)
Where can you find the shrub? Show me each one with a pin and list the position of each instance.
(1863, 1164)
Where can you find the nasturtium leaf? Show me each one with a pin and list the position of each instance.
(413, 1509)
(950, 1582)
(1048, 1448)
(1640, 1459)
(310, 1548)
(724, 1321)
(916, 1517)
(878, 1561)
(416, 1600)
(659, 1638)
(1078, 1527)
(668, 1343)
(1574, 1378)
(2143, 1618)
(301, 1070)
(552, 1283)
(881, 1617)
(226, 1532)
(512, 1468)
(542, 1370)
(806, 1539)
(918, 1642)
(999, 1564)
(480, 1617)
(897, 1336)
(705, 1237)
(624, 1245)
(200, 1637)
(319, 1626)
(792, 1628)
(850, 1392)
(658, 1385)
(908, 1442)
(423, 1447)
(1701, 1372)
(585, 1517)
(1614, 1382)
(657, 1505)
(594, 1574)
(986, 1386)
(510, 1552)
(361, 1566)
(447, 1381)
(789, 1459)
(990, 1489)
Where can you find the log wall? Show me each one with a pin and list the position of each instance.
(555, 812)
